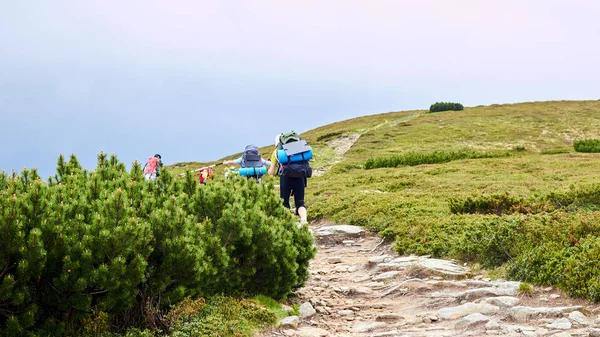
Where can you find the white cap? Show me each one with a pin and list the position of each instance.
(277, 140)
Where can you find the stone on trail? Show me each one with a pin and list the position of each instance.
(579, 319)
(380, 259)
(492, 325)
(467, 309)
(290, 321)
(443, 266)
(471, 320)
(502, 301)
(562, 324)
(474, 294)
(307, 310)
(435, 265)
(341, 230)
(385, 276)
(522, 314)
(367, 326)
(334, 260)
(360, 291)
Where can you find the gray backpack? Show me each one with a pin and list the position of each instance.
(250, 157)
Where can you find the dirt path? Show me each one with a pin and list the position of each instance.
(359, 287)
(342, 144)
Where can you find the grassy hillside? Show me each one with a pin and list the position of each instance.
(533, 204)
(538, 135)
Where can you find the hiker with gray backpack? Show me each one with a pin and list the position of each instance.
(252, 164)
(290, 161)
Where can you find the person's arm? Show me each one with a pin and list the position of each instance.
(266, 162)
(233, 162)
(273, 166)
(272, 169)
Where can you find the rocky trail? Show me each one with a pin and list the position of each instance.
(359, 286)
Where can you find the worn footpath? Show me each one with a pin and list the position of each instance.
(359, 286)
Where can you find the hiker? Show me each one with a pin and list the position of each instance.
(205, 173)
(293, 170)
(152, 167)
(251, 162)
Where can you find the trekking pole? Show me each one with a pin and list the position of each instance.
(200, 169)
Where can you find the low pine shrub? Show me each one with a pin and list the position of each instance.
(587, 145)
(445, 106)
(583, 197)
(493, 204)
(490, 241)
(329, 136)
(542, 264)
(437, 157)
(108, 242)
(573, 268)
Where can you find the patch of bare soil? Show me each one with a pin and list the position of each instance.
(340, 146)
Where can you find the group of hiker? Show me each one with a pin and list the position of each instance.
(289, 160)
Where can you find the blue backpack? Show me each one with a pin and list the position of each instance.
(295, 168)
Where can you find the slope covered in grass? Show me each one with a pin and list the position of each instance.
(522, 199)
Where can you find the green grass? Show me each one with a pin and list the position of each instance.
(221, 316)
(412, 204)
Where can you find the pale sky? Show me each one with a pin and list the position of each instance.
(198, 80)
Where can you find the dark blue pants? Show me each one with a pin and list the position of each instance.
(287, 185)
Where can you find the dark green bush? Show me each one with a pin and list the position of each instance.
(584, 197)
(329, 136)
(437, 157)
(108, 242)
(490, 241)
(445, 106)
(571, 267)
(542, 264)
(493, 204)
(581, 270)
(587, 145)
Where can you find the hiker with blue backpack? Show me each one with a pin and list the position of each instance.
(290, 161)
(152, 167)
(251, 162)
